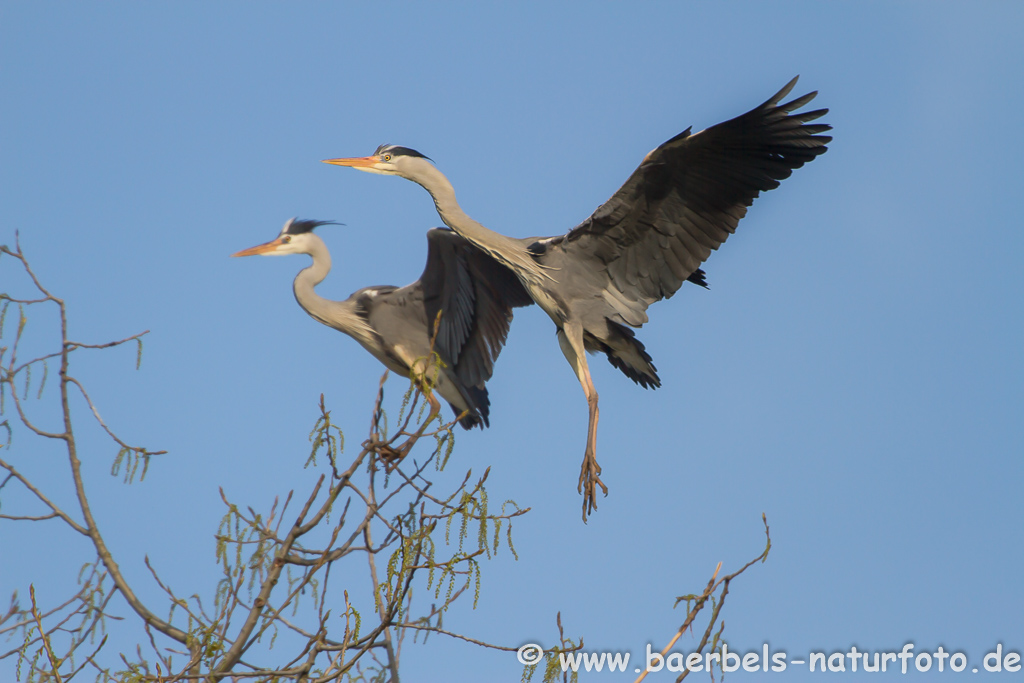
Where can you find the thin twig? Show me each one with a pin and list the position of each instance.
(46, 501)
(54, 662)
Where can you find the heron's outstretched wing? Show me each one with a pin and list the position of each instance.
(475, 295)
(688, 195)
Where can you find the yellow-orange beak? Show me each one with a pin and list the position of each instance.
(265, 248)
(355, 162)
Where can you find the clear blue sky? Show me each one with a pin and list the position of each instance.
(855, 371)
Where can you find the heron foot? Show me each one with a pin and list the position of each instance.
(590, 479)
(391, 456)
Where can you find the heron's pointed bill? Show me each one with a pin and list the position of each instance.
(371, 164)
(266, 248)
(355, 162)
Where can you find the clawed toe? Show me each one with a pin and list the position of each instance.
(590, 479)
(391, 456)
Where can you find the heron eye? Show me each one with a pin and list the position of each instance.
(286, 239)
(387, 157)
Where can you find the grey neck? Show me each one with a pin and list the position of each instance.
(340, 315)
(507, 250)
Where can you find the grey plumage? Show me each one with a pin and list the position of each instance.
(679, 205)
(396, 324)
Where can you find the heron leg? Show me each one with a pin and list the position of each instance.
(435, 408)
(392, 455)
(570, 339)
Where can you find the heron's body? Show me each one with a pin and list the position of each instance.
(680, 204)
(391, 324)
(396, 324)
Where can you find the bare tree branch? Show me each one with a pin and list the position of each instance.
(46, 501)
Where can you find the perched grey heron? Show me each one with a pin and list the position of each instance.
(597, 280)
(396, 324)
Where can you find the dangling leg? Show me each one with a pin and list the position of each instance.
(570, 339)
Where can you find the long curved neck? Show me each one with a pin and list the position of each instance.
(505, 249)
(340, 315)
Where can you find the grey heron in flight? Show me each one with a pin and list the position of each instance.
(396, 324)
(597, 280)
